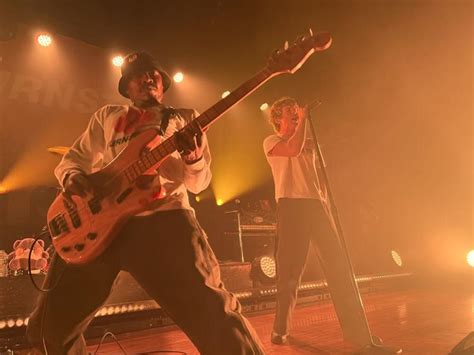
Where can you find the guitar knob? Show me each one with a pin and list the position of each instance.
(91, 236)
(79, 247)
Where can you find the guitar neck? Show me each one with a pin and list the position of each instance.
(221, 107)
(204, 120)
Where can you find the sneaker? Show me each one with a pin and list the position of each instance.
(279, 339)
(378, 348)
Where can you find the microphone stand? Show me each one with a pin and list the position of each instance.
(333, 209)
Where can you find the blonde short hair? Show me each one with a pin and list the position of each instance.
(277, 109)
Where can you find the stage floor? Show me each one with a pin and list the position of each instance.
(428, 321)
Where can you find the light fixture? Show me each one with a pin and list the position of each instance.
(263, 106)
(264, 269)
(396, 258)
(219, 202)
(178, 77)
(44, 40)
(225, 94)
(470, 258)
(117, 60)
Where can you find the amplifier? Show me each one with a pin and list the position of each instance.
(236, 276)
(248, 241)
(245, 247)
(258, 230)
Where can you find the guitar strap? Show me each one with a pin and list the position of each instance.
(165, 120)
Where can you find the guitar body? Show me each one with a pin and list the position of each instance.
(82, 232)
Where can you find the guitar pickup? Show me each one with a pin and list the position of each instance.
(73, 214)
(54, 228)
(58, 225)
(76, 220)
(94, 205)
(124, 195)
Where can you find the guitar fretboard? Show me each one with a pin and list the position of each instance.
(169, 145)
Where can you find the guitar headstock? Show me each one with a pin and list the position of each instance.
(291, 57)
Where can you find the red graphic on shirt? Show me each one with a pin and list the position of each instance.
(133, 119)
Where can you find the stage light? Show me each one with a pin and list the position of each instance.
(219, 202)
(264, 269)
(3, 324)
(263, 106)
(178, 77)
(2, 190)
(197, 198)
(101, 312)
(396, 258)
(44, 40)
(470, 258)
(117, 60)
(225, 94)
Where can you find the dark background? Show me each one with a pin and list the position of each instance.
(395, 125)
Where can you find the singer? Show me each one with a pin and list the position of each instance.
(304, 219)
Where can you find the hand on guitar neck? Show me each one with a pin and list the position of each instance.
(189, 143)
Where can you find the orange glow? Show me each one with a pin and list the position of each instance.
(33, 168)
(239, 165)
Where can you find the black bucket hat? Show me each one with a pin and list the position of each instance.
(136, 62)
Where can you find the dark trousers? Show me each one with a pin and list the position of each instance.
(169, 256)
(302, 222)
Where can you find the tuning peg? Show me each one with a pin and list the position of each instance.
(300, 38)
(286, 45)
(274, 53)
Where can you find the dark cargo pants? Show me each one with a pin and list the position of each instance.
(169, 256)
(302, 222)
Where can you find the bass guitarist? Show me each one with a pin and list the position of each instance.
(163, 247)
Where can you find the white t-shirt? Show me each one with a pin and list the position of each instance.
(294, 177)
(109, 132)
